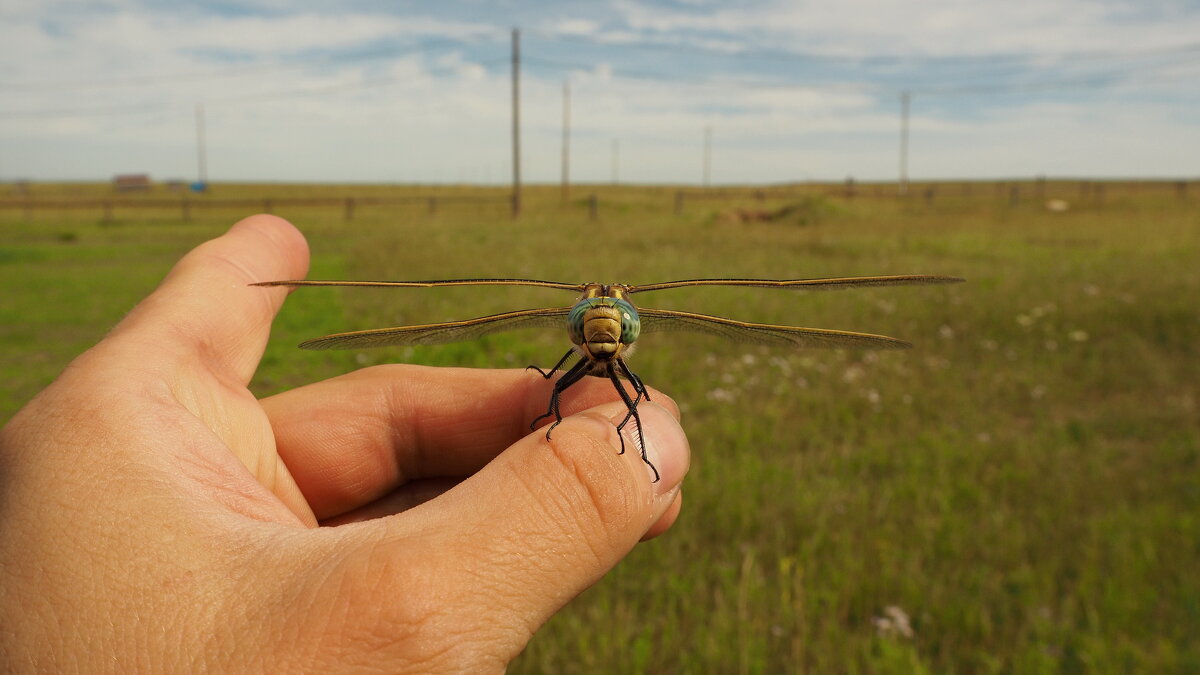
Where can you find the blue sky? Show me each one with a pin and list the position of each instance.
(419, 92)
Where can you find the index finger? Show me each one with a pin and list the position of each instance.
(351, 439)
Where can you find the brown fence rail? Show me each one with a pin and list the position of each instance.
(266, 204)
(1014, 192)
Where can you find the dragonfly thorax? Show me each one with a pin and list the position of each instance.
(603, 327)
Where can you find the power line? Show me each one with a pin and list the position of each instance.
(1104, 80)
(739, 52)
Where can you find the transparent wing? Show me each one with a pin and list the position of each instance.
(663, 320)
(810, 284)
(578, 288)
(440, 333)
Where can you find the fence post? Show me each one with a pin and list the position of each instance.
(679, 202)
(1181, 189)
(349, 214)
(266, 206)
(433, 205)
(1014, 195)
(593, 207)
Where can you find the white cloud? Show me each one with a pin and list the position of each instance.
(442, 114)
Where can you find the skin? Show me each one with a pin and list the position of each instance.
(157, 517)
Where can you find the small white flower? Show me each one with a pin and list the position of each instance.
(893, 623)
(720, 394)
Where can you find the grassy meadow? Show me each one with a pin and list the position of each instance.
(1019, 493)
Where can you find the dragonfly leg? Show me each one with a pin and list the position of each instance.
(638, 388)
(633, 378)
(552, 371)
(575, 374)
(632, 404)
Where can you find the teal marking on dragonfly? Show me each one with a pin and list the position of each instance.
(631, 323)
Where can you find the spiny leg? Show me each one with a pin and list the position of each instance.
(575, 374)
(637, 381)
(632, 406)
(638, 388)
(552, 371)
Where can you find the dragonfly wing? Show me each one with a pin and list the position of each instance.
(429, 284)
(440, 333)
(663, 320)
(809, 284)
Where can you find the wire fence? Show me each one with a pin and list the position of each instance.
(681, 200)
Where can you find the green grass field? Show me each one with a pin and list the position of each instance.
(1023, 486)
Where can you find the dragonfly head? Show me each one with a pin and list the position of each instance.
(603, 327)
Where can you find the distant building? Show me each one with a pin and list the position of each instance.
(132, 182)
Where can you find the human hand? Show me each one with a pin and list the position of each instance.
(158, 517)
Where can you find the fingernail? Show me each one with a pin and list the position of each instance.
(666, 446)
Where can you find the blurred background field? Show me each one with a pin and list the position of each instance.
(1019, 493)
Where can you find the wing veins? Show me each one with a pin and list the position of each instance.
(443, 283)
(663, 320)
(807, 284)
(441, 333)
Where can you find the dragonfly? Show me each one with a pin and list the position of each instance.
(603, 324)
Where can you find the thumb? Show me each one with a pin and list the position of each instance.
(535, 527)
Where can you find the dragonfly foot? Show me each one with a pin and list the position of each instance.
(539, 418)
(544, 374)
(641, 442)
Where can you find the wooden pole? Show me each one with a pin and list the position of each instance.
(905, 98)
(616, 162)
(566, 142)
(707, 156)
(516, 121)
(201, 146)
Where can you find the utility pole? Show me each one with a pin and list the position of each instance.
(905, 99)
(707, 156)
(566, 141)
(616, 163)
(201, 147)
(516, 121)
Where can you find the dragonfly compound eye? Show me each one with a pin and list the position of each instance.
(631, 323)
(603, 321)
